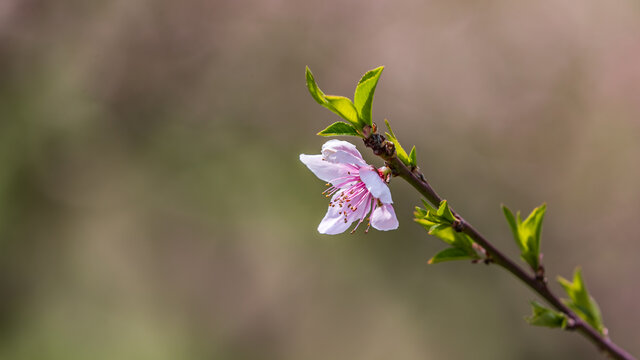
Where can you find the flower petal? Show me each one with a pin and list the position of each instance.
(338, 151)
(375, 185)
(384, 218)
(333, 222)
(324, 170)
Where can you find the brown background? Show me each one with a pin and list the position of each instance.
(152, 205)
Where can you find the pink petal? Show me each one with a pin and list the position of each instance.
(338, 151)
(324, 170)
(375, 185)
(333, 223)
(384, 218)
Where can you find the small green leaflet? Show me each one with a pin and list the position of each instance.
(430, 216)
(543, 316)
(527, 233)
(412, 157)
(444, 212)
(439, 223)
(343, 107)
(339, 128)
(409, 160)
(581, 302)
(451, 254)
(363, 97)
(314, 90)
(340, 105)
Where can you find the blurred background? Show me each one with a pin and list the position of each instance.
(152, 204)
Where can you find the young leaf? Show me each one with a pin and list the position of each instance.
(451, 254)
(527, 233)
(581, 302)
(344, 108)
(402, 155)
(420, 212)
(315, 91)
(363, 97)
(412, 157)
(543, 316)
(532, 230)
(453, 238)
(427, 206)
(439, 223)
(338, 104)
(339, 128)
(512, 224)
(445, 212)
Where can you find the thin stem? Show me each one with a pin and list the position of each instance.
(536, 283)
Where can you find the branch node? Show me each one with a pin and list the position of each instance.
(540, 274)
(457, 225)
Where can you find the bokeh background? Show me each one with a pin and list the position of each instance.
(152, 205)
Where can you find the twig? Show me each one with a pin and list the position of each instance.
(386, 151)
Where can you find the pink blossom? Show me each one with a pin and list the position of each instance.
(356, 189)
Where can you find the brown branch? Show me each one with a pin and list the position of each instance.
(386, 151)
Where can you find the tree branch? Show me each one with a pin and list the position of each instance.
(538, 284)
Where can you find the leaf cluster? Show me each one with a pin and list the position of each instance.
(527, 233)
(357, 113)
(440, 223)
(543, 316)
(581, 302)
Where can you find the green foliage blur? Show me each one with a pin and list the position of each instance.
(152, 205)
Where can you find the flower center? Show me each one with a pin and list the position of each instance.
(353, 199)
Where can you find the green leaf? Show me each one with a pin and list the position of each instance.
(339, 128)
(543, 316)
(412, 157)
(527, 233)
(363, 97)
(512, 224)
(439, 223)
(431, 216)
(420, 212)
(581, 302)
(402, 155)
(531, 231)
(445, 212)
(532, 255)
(453, 238)
(315, 91)
(451, 254)
(344, 108)
(427, 206)
(338, 104)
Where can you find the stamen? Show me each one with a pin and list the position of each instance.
(366, 211)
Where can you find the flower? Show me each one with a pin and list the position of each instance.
(356, 189)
